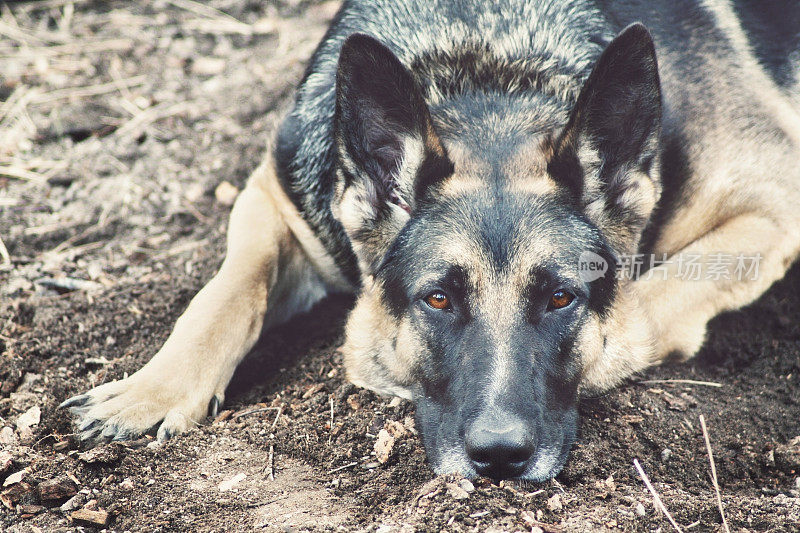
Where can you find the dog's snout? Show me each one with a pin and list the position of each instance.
(500, 451)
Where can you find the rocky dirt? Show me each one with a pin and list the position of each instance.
(126, 129)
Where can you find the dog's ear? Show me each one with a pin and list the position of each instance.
(608, 154)
(387, 149)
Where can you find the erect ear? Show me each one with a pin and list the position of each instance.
(387, 149)
(608, 154)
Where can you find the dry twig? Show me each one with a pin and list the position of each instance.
(88, 90)
(714, 480)
(79, 47)
(20, 36)
(330, 433)
(275, 422)
(13, 171)
(139, 122)
(17, 101)
(47, 4)
(252, 411)
(4, 253)
(271, 461)
(203, 10)
(682, 382)
(656, 499)
(339, 468)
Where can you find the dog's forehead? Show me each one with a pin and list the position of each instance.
(502, 235)
(519, 166)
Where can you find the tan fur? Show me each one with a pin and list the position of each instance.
(265, 266)
(680, 309)
(527, 169)
(618, 345)
(379, 354)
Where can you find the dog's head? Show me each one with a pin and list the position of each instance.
(470, 229)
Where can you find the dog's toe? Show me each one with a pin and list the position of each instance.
(110, 431)
(175, 423)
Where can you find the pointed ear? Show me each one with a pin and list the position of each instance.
(608, 154)
(387, 149)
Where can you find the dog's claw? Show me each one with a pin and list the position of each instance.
(213, 407)
(122, 434)
(88, 425)
(91, 431)
(75, 401)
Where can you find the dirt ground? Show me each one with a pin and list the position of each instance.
(118, 123)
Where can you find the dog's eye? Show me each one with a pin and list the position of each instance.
(438, 300)
(560, 299)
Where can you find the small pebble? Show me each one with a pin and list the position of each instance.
(640, 509)
(7, 436)
(26, 437)
(396, 401)
(554, 503)
(226, 193)
(208, 66)
(56, 489)
(395, 429)
(456, 492)
(787, 456)
(5, 461)
(29, 418)
(232, 482)
(16, 477)
(665, 455)
(73, 503)
(354, 402)
(383, 446)
(90, 517)
(467, 485)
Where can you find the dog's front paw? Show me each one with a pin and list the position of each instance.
(130, 407)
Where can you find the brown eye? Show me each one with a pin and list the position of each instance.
(560, 299)
(438, 300)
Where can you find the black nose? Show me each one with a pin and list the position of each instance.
(499, 450)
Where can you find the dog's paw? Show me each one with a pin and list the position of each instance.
(131, 407)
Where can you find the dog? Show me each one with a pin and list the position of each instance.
(486, 177)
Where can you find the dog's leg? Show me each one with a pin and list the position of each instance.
(679, 308)
(265, 273)
(665, 312)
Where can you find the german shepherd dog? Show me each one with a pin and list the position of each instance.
(453, 164)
